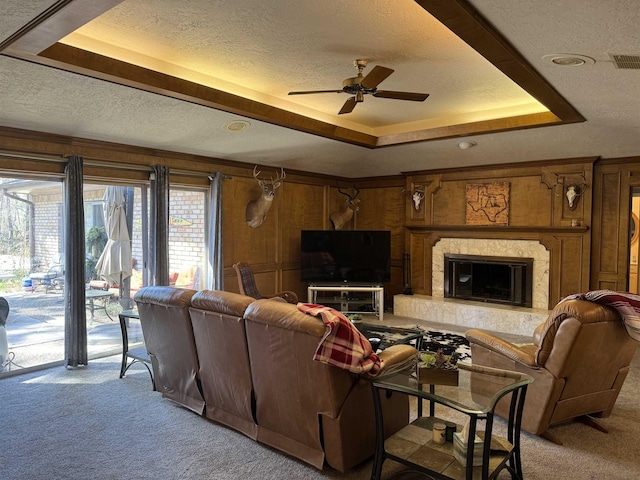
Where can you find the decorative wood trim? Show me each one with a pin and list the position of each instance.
(497, 229)
(56, 22)
(467, 23)
(506, 169)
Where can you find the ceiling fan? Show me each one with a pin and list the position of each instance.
(360, 86)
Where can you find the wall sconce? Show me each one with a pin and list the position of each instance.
(418, 196)
(573, 194)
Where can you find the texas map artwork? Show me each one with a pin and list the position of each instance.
(488, 204)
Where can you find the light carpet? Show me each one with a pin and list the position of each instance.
(89, 424)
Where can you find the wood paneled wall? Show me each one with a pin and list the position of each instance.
(538, 210)
(305, 203)
(593, 255)
(613, 184)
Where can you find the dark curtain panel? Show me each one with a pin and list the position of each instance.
(74, 254)
(159, 235)
(215, 277)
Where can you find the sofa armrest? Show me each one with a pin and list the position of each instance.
(396, 358)
(537, 334)
(498, 345)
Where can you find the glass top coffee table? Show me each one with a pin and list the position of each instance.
(475, 393)
(382, 337)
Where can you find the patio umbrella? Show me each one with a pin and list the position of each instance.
(114, 264)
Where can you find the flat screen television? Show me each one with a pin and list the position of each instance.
(345, 256)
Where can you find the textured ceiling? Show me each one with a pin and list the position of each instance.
(262, 50)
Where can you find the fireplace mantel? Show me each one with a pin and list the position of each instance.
(498, 229)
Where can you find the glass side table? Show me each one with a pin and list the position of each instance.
(139, 353)
(476, 394)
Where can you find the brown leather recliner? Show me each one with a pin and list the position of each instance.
(218, 327)
(311, 410)
(579, 360)
(168, 336)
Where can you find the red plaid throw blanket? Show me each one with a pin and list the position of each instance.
(342, 345)
(627, 305)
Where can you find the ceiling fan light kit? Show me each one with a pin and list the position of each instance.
(359, 86)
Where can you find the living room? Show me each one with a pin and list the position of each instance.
(51, 112)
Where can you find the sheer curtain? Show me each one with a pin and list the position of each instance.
(215, 277)
(159, 235)
(74, 278)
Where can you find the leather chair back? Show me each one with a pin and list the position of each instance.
(219, 330)
(308, 409)
(579, 360)
(168, 335)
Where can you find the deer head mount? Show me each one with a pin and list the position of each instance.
(257, 209)
(340, 218)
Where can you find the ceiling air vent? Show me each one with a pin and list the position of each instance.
(626, 61)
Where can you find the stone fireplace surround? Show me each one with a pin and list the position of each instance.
(498, 318)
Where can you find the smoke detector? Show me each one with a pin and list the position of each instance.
(236, 126)
(466, 144)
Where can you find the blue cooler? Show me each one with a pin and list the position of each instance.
(27, 284)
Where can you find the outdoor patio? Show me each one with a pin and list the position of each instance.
(35, 328)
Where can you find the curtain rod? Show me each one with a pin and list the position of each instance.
(192, 173)
(122, 166)
(15, 156)
(106, 164)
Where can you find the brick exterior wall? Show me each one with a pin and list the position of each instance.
(186, 230)
(48, 228)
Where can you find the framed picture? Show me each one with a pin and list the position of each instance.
(487, 204)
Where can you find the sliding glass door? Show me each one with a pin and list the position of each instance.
(116, 224)
(32, 322)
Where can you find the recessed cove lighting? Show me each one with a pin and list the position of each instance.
(236, 126)
(568, 59)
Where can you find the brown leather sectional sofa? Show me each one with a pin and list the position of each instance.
(248, 364)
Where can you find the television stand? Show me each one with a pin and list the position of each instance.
(340, 297)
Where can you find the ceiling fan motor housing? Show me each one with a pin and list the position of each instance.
(353, 85)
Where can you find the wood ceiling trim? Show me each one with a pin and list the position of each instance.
(67, 15)
(104, 68)
(498, 125)
(464, 21)
(56, 22)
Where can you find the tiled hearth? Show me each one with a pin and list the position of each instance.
(498, 318)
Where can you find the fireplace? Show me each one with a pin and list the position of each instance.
(503, 280)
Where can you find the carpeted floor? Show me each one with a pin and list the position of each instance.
(89, 424)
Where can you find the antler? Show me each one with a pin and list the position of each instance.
(351, 197)
(279, 176)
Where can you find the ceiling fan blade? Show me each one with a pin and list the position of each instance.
(415, 97)
(348, 106)
(376, 76)
(315, 91)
